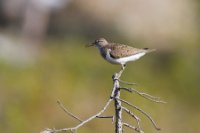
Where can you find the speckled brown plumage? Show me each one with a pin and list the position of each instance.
(121, 50)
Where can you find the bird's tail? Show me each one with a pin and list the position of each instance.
(149, 50)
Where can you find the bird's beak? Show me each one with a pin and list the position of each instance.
(89, 45)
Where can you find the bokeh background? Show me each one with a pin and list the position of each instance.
(43, 58)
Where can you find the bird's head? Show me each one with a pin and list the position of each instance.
(101, 42)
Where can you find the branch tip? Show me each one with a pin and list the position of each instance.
(128, 83)
(144, 95)
(68, 112)
(143, 112)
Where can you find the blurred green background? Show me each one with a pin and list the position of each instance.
(43, 58)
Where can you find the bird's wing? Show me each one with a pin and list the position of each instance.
(125, 50)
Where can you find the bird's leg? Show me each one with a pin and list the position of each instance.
(123, 66)
(122, 69)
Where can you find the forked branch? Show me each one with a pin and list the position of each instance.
(143, 112)
(73, 129)
(115, 96)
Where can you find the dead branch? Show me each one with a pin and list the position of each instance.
(69, 113)
(105, 117)
(131, 114)
(128, 83)
(118, 107)
(143, 112)
(115, 93)
(115, 96)
(73, 129)
(133, 128)
(144, 95)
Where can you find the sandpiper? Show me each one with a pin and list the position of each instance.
(116, 53)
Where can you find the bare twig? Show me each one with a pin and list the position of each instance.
(128, 83)
(145, 95)
(109, 117)
(69, 113)
(105, 117)
(143, 112)
(112, 117)
(127, 89)
(132, 127)
(132, 114)
(73, 129)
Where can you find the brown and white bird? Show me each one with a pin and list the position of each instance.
(116, 53)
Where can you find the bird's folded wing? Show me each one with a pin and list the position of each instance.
(120, 51)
